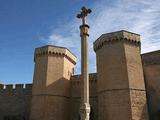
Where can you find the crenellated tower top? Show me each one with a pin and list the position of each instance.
(117, 36)
(55, 50)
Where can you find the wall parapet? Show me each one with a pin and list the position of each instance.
(15, 87)
(56, 51)
(128, 37)
(76, 79)
(151, 58)
(1, 86)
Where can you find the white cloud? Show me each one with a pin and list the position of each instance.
(140, 16)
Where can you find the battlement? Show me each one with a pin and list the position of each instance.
(16, 87)
(15, 101)
(151, 58)
(116, 36)
(76, 85)
(1, 86)
(77, 78)
(55, 50)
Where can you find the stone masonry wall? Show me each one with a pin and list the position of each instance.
(151, 67)
(138, 101)
(15, 101)
(114, 104)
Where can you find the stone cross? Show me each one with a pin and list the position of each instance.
(83, 14)
(84, 106)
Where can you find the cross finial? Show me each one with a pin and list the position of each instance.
(83, 14)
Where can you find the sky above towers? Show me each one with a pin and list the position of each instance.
(26, 24)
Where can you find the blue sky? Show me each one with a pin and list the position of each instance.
(27, 24)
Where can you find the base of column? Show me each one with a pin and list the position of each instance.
(84, 111)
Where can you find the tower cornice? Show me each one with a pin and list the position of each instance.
(125, 36)
(55, 51)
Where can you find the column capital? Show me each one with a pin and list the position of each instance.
(84, 30)
(85, 25)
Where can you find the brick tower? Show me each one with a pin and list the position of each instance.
(51, 86)
(121, 88)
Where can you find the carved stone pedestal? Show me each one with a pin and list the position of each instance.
(84, 111)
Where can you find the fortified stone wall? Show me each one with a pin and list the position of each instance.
(75, 96)
(151, 66)
(15, 101)
(118, 87)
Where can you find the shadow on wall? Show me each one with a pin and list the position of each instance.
(54, 103)
(15, 102)
(144, 113)
(63, 100)
(62, 93)
(60, 87)
(14, 117)
(153, 103)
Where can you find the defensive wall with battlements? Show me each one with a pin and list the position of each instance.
(15, 101)
(113, 84)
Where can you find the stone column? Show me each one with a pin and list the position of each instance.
(85, 106)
